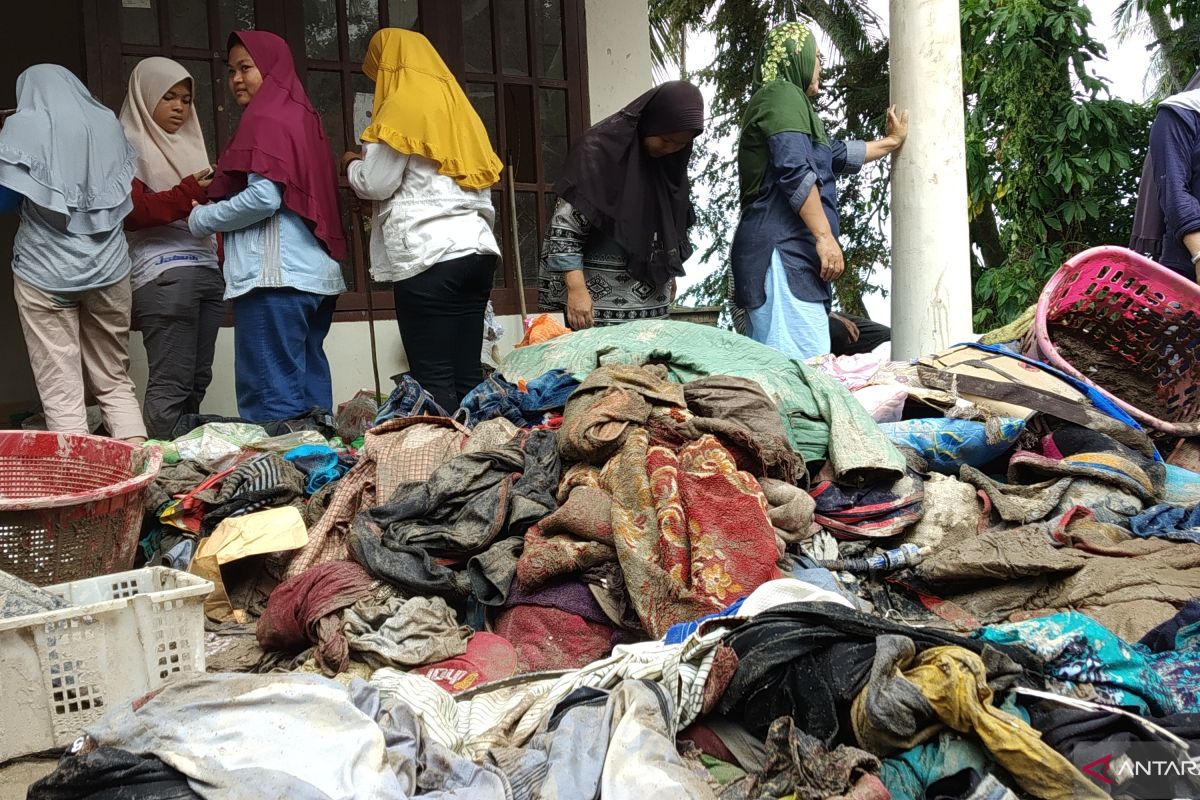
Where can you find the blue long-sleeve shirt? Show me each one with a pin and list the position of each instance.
(1175, 150)
(48, 256)
(10, 201)
(266, 245)
(772, 221)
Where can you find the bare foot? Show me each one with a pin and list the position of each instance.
(136, 441)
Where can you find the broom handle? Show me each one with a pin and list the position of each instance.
(362, 246)
(516, 241)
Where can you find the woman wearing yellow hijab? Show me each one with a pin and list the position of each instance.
(428, 165)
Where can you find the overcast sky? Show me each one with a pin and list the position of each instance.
(1125, 68)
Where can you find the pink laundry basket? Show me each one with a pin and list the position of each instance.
(1120, 301)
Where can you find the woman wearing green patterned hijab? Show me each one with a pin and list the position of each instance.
(786, 251)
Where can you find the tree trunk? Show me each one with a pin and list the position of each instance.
(1177, 73)
(985, 232)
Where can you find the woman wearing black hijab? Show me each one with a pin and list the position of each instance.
(618, 236)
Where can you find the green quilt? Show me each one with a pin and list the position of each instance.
(822, 419)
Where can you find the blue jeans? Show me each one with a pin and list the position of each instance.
(280, 365)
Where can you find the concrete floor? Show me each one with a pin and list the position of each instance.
(15, 777)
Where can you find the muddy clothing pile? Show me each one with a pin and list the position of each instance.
(664, 560)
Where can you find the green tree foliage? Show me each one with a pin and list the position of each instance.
(853, 106)
(1052, 162)
(1175, 25)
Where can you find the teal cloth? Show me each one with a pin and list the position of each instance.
(1084, 658)
(907, 775)
(822, 419)
(1182, 487)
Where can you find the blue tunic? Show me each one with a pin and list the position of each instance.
(1175, 149)
(772, 221)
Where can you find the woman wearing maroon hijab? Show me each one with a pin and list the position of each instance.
(276, 188)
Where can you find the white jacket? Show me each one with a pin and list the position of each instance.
(421, 217)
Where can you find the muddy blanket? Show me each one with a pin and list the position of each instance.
(1073, 562)
(821, 418)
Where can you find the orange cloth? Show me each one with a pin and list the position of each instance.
(543, 329)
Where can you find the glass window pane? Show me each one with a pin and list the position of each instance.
(233, 115)
(139, 22)
(362, 20)
(404, 14)
(325, 91)
(202, 102)
(188, 24)
(483, 97)
(550, 38)
(553, 115)
(477, 34)
(528, 235)
(363, 104)
(129, 62)
(518, 129)
(514, 46)
(235, 15)
(321, 30)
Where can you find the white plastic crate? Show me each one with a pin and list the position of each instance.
(123, 635)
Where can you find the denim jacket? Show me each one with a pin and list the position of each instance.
(266, 245)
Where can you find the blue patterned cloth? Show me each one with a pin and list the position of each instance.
(1085, 659)
(496, 397)
(408, 399)
(1168, 522)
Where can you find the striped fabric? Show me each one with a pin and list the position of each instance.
(510, 712)
(260, 473)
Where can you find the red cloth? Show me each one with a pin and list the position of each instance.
(488, 658)
(281, 137)
(151, 209)
(547, 638)
(706, 742)
(306, 610)
(691, 531)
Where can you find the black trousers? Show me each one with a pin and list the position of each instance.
(179, 314)
(440, 314)
(870, 335)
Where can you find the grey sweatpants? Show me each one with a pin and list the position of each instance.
(179, 314)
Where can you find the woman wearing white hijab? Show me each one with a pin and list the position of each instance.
(177, 284)
(65, 164)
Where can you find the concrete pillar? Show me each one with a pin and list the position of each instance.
(931, 268)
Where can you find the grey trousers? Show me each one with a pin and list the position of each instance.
(179, 314)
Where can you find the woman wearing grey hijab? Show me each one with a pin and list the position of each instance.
(66, 168)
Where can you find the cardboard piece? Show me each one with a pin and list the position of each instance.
(996, 368)
(272, 531)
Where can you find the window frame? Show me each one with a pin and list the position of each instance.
(442, 22)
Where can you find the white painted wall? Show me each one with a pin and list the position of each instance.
(349, 349)
(618, 42)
